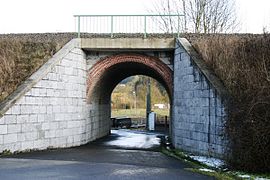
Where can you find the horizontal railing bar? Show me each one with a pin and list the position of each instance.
(122, 15)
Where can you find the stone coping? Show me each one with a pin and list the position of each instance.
(210, 76)
(128, 44)
(37, 76)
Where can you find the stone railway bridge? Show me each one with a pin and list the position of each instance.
(67, 101)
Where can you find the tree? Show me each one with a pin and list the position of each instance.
(138, 85)
(198, 16)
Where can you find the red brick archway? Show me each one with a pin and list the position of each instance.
(108, 72)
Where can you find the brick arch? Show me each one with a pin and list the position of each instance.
(152, 67)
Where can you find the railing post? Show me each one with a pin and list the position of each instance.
(178, 26)
(165, 123)
(145, 27)
(79, 27)
(111, 26)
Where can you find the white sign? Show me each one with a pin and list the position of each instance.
(151, 121)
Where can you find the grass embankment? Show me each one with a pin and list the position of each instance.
(243, 64)
(22, 54)
(132, 113)
(198, 167)
(18, 60)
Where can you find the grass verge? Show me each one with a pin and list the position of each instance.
(133, 113)
(220, 174)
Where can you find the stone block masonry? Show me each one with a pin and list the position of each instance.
(67, 102)
(49, 109)
(198, 109)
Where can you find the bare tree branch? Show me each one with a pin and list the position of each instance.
(199, 16)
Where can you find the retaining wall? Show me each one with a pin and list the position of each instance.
(49, 109)
(198, 104)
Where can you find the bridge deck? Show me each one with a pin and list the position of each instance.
(128, 43)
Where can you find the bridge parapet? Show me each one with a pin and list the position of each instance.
(143, 24)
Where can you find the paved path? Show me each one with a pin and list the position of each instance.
(108, 158)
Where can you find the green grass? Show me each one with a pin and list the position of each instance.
(5, 153)
(178, 154)
(217, 173)
(138, 112)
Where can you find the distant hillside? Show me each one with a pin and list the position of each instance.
(124, 96)
(127, 80)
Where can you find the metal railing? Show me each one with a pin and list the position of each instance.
(142, 24)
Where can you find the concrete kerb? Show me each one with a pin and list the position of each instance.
(210, 76)
(37, 76)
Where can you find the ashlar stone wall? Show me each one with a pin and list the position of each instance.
(49, 109)
(198, 109)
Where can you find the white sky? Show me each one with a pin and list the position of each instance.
(33, 16)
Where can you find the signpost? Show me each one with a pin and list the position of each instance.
(151, 119)
(148, 102)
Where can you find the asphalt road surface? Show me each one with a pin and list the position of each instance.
(122, 155)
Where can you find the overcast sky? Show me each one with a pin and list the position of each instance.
(34, 16)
